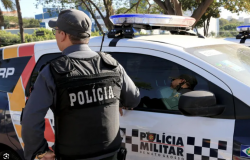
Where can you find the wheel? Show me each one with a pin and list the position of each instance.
(8, 155)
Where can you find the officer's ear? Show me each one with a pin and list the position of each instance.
(62, 36)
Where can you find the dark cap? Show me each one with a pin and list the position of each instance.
(73, 22)
(190, 79)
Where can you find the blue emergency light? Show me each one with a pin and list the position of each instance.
(244, 33)
(243, 28)
(125, 24)
(153, 20)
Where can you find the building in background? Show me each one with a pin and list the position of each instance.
(52, 13)
(247, 20)
(229, 18)
(241, 19)
(10, 13)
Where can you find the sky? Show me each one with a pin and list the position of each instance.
(29, 10)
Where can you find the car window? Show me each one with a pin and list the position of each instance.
(153, 76)
(233, 59)
(42, 60)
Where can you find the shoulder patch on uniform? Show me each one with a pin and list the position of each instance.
(108, 59)
(62, 65)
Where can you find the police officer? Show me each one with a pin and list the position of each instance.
(179, 85)
(84, 90)
(170, 95)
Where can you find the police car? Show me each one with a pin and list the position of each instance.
(243, 37)
(212, 122)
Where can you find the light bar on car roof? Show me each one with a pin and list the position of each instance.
(153, 20)
(243, 28)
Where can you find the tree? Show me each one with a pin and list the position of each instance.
(7, 4)
(20, 20)
(231, 25)
(171, 7)
(212, 33)
(176, 7)
(236, 6)
(202, 10)
(212, 11)
(143, 7)
(12, 21)
(31, 23)
(105, 8)
(108, 6)
(223, 22)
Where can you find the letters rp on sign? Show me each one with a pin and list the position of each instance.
(6, 72)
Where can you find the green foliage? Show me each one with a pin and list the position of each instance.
(12, 22)
(237, 6)
(212, 33)
(95, 33)
(212, 11)
(228, 34)
(231, 25)
(143, 8)
(7, 38)
(228, 28)
(7, 4)
(31, 23)
(223, 22)
(47, 36)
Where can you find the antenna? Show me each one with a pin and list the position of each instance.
(103, 37)
(198, 34)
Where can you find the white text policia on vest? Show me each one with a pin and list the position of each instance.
(92, 96)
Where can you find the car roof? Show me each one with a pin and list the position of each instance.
(247, 42)
(184, 41)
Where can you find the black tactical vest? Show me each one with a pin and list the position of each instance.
(87, 107)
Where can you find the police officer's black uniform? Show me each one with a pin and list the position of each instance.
(83, 88)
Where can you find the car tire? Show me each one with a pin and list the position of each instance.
(9, 155)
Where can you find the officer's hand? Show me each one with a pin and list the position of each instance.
(121, 111)
(49, 156)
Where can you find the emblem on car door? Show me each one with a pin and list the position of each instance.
(10, 72)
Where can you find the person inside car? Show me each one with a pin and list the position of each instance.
(179, 85)
(169, 96)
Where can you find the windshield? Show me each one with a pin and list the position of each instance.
(234, 59)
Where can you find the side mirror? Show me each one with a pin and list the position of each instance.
(199, 103)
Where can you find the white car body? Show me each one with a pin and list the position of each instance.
(247, 42)
(175, 136)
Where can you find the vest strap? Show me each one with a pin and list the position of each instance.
(62, 65)
(108, 59)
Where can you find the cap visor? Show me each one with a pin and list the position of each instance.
(52, 23)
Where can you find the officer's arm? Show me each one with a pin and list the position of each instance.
(33, 123)
(130, 94)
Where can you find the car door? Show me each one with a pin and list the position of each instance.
(15, 62)
(21, 92)
(152, 131)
